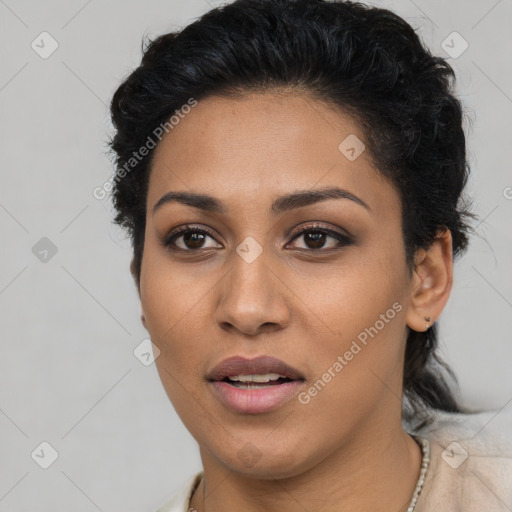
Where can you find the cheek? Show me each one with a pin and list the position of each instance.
(169, 304)
(170, 293)
(361, 354)
(177, 303)
(172, 303)
(345, 299)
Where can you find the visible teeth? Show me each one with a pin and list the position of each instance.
(266, 377)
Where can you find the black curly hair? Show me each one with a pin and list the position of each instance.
(367, 62)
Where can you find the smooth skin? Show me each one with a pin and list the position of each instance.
(303, 300)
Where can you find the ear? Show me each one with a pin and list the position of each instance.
(134, 275)
(432, 282)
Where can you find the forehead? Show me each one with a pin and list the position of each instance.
(246, 150)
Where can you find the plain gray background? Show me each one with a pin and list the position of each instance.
(70, 324)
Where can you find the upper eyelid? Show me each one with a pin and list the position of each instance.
(321, 226)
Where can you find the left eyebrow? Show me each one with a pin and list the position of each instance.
(302, 198)
(296, 199)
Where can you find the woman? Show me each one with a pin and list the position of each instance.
(291, 174)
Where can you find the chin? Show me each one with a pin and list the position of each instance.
(266, 463)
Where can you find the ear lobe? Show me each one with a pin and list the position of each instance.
(431, 283)
(142, 317)
(132, 268)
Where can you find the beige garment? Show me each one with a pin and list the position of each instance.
(470, 468)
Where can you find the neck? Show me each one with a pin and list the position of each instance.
(376, 471)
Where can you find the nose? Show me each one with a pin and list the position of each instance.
(253, 298)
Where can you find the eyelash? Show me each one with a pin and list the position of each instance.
(343, 239)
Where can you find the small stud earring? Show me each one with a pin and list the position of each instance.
(427, 318)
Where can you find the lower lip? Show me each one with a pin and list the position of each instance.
(255, 401)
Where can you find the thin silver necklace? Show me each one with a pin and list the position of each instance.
(425, 449)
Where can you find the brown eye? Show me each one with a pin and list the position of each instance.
(189, 239)
(316, 238)
(193, 240)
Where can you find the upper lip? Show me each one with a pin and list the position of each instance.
(260, 365)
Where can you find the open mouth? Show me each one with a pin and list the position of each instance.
(254, 386)
(267, 380)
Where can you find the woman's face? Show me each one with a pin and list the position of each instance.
(318, 282)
